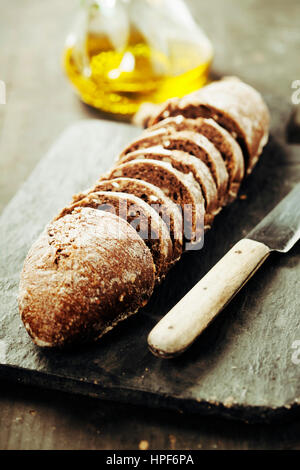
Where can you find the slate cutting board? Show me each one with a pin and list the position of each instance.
(243, 366)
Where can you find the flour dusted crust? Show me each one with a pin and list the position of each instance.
(180, 188)
(149, 225)
(169, 211)
(87, 271)
(220, 137)
(189, 142)
(232, 103)
(145, 113)
(185, 163)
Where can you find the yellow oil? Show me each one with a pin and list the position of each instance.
(119, 81)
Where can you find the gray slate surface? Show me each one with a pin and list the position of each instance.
(240, 367)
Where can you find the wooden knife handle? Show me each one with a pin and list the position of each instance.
(185, 322)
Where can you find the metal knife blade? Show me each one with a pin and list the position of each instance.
(280, 229)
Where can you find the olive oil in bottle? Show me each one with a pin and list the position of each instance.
(125, 52)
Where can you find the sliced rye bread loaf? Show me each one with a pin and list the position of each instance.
(86, 272)
(90, 269)
(148, 224)
(220, 137)
(180, 188)
(167, 209)
(185, 163)
(235, 105)
(192, 143)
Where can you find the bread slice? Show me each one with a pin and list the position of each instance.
(145, 140)
(180, 188)
(140, 215)
(190, 142)
(222, 140)
(168, 211)
(86, 272)
(185, 163)
(234, 105)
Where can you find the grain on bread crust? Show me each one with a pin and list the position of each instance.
(167, 209)
(150, 227)
(220, 137)
(85, 273)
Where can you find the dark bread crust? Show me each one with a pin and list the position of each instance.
(180, 188)
(150, 227)
(86, 272)
(189, 142)
(185, 163)
(152, 195)
(235, 105)
(220, 137)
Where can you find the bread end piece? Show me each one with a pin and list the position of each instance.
(86, 272)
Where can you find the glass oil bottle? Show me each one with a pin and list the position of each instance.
(122, 53)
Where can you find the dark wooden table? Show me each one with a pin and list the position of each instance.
(253, 39)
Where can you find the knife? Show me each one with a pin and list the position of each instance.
(178, 329)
